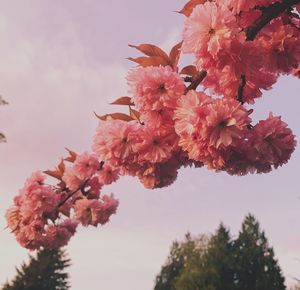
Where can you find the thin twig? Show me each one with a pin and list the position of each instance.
(293, 25)
(241, 89)
(188, 79)
(197, 80)
(81, 187)
(269, 13)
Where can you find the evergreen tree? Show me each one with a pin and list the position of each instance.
(219, 260)
(181, 253)
(46, 271)
(222, 263)
(256, 267)
(213, 270)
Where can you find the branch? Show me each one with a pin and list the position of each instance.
(197, 80)
(269, 13)
(67, 198)
(2, 138)
(241, 89)
(293, 25)
(188, 79)
(81, 188)
(2, 101)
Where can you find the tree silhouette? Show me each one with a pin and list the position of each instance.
(46, 271)
(222, 263)
(188, 251)
(257, 269)
(213, 269)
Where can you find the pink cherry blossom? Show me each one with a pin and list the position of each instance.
(225, 123)
(115, 141)
(239, 5)
(92, 188)
(247, 18)
(47, 216)
(243, 59)
(86, 211)
(208, 126)
(72, 181)
(86, 165)
(158, 175)
(273, 141)
(31, 235)
(208, 29)
(240, 159)
(190, 108)
(109, 207)
(59, 235)
(155, 88)
(282, 43)
(94, 212)
(159, 118)
(157, 145)
(108, 174)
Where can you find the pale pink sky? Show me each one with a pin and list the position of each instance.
(62, 60)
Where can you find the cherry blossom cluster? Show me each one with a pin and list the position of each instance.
(45, 215)
(240, 48)
(219, 34)
(218, 132)
(148, 147)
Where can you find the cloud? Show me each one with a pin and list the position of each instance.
(53, 90)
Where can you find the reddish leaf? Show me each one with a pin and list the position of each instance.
(115, 116)
(150, 50)
(175, 54)
(126, 101)
(72, 156)
(188, 8)
(64, 211)
(61, 166)
(135, 114)
(150, 61)
(54, 173)
(189, 70)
